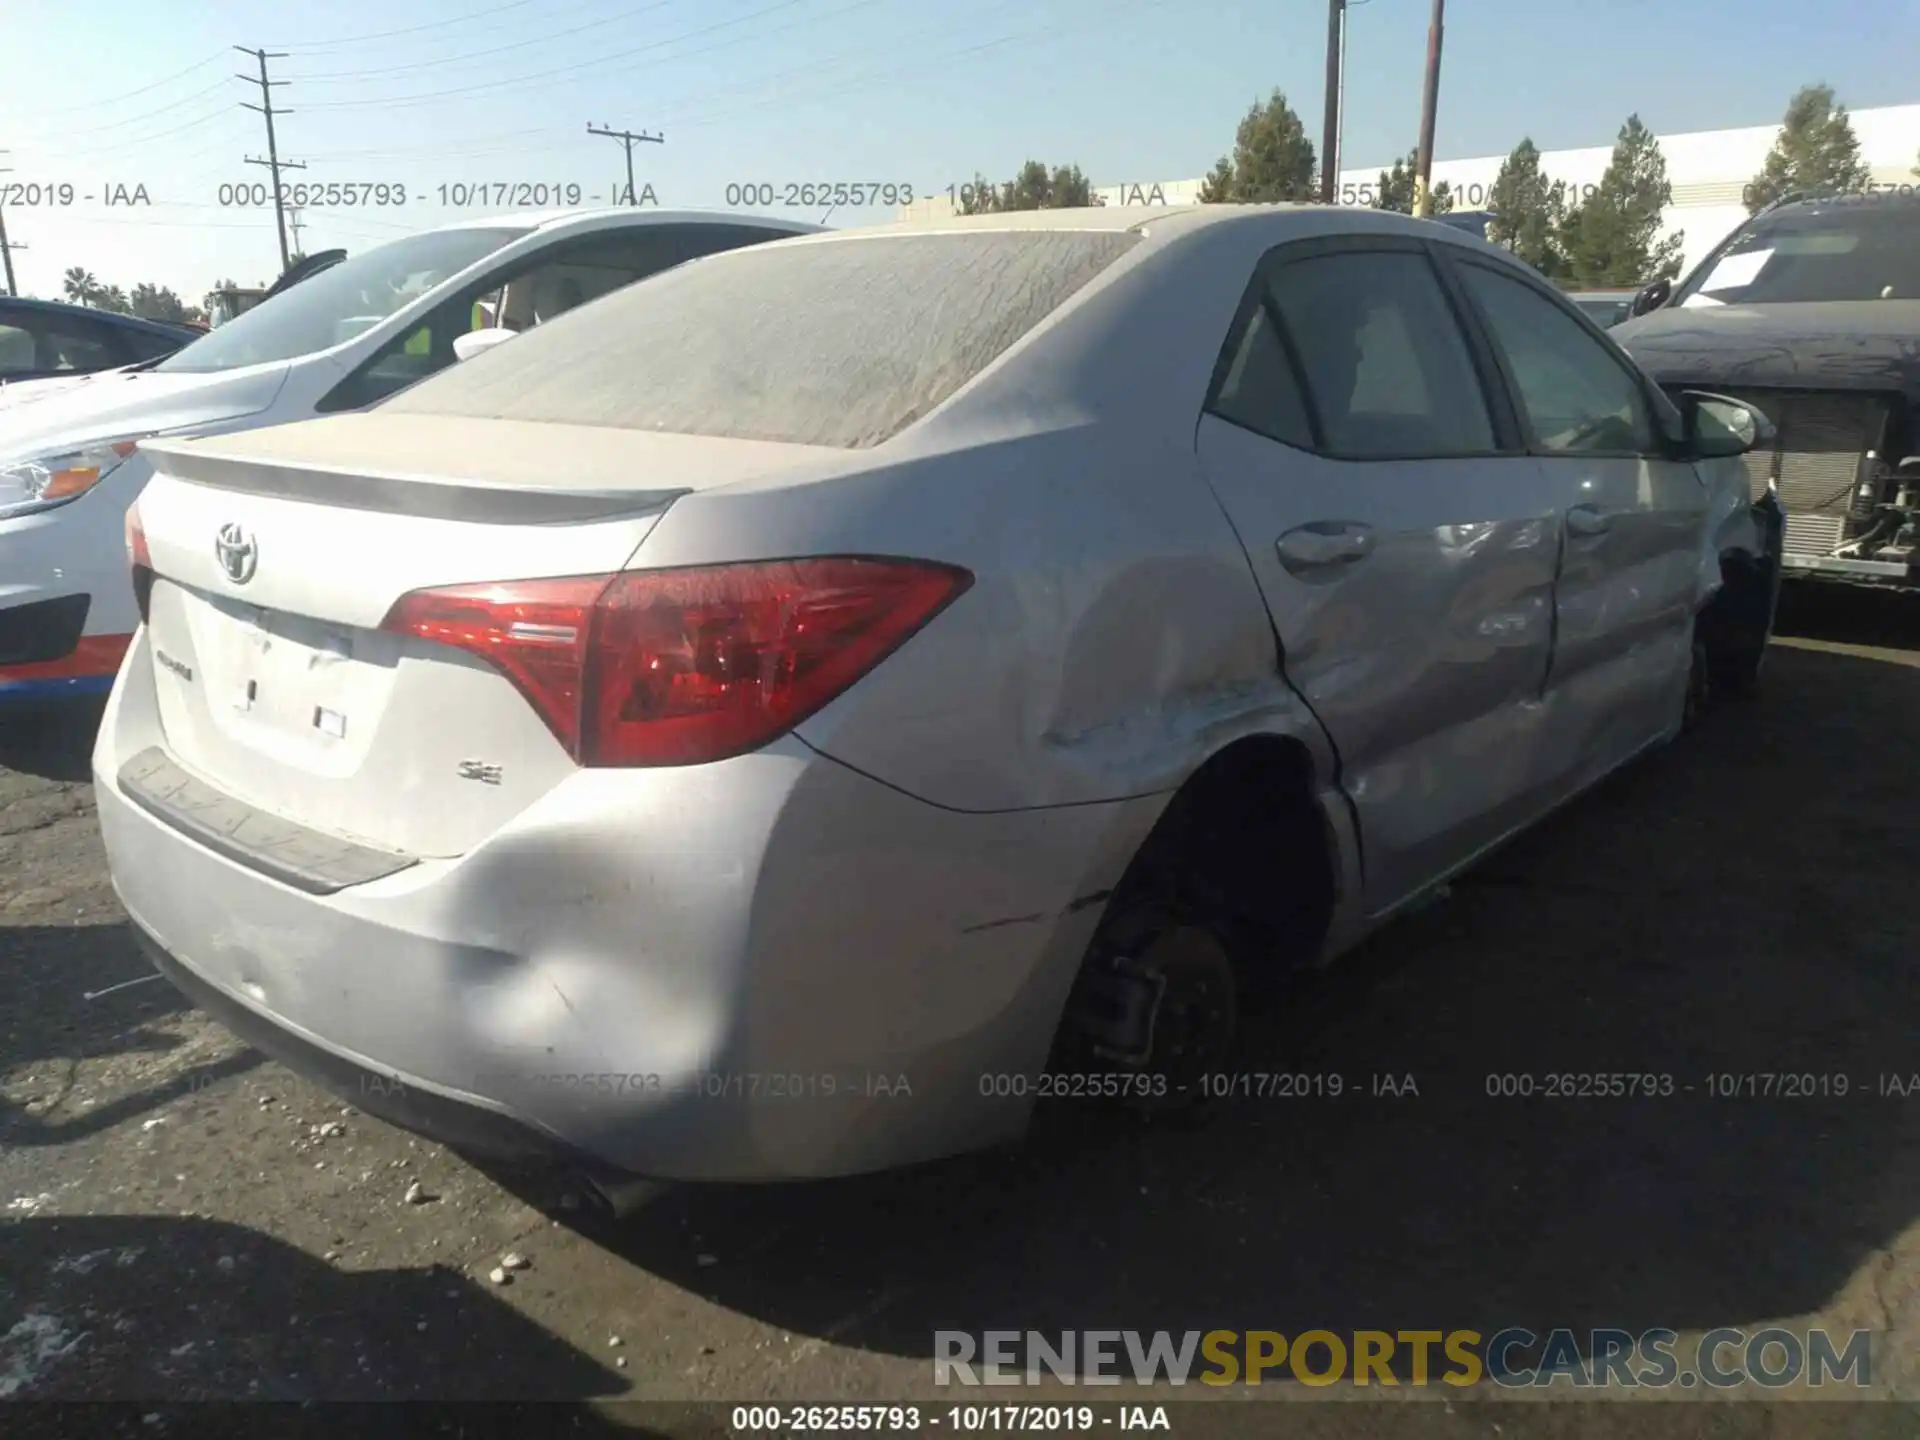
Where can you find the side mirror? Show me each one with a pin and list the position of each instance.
(1652, 297)
(466, 346)
(1719, 427)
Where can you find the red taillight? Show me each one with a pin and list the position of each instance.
(140, 559)
(681, 667)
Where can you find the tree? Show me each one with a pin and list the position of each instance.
(1396, 188)
(1528, 210)
(79, 285)
(1816, 149)
(1608, 239)
(1272, 159)
(1035, 187)
(153, 302)
(1217, 187)
(113, 299)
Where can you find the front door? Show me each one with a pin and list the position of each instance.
(1404, 542)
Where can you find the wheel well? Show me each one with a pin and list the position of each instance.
(1243, 850)
(1735, 620)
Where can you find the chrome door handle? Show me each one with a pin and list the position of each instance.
(1586, 520)
(1324, 543)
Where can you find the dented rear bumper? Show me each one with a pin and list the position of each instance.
(767, 968)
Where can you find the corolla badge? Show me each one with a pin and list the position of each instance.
(237, 551)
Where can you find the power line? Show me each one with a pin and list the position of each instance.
(143, 117)
(142, 90)
(213, 59)
(535, 79)
(409, 30)
(273, 160)
(677, 58)
(815, 69)
(892, 73)
(629, 139)
(519, 48)
(801, 23)
(118, 147)
(402, 152)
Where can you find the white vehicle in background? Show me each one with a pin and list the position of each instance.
(342, 339)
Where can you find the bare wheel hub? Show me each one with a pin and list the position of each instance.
(1163, 1009)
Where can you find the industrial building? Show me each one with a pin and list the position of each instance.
(1707, 168)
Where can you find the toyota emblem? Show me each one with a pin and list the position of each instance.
(237, 552)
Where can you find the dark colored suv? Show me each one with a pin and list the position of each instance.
(1810, 312)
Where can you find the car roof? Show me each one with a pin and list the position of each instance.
(55, 308)
(1167, 220)
(612, 216)
(1874, 199)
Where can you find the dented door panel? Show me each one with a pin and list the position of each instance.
(1424, 657)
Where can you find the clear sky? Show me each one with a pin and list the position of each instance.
(424, 93)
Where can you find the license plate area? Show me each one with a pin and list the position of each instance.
(289, 684)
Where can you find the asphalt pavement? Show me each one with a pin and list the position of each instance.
(185, 1220)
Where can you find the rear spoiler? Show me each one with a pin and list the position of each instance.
(310, 266)
(435, 497)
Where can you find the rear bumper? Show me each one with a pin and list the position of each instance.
(769, 968)
(460, 1121)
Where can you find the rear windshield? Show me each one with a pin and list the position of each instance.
(840, 342)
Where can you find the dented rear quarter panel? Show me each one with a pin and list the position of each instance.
(1114, 637)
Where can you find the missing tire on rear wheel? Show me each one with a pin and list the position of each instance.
(1163, 1008)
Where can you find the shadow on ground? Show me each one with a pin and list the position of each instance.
(1736, 905)
(66, 1007)
(1849, 614)
(130, 1308)
(53, 741)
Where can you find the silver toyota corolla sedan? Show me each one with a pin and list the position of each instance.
(786, 718)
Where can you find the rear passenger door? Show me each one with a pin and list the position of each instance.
(1633, 519)
(1365, 451)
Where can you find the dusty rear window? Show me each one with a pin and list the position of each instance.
(840, 343)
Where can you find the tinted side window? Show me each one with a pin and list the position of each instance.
(1260, 392)
(16, 350)
(1388, 372)
(1577, 397)
(147, 346)
(67, 347)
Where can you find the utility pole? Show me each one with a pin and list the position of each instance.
(1429, 107)
(293, 224)
(628, 139)
(273, 160)
(1330, 141)
(6, 247)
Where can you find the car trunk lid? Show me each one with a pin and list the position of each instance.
(279, 553)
